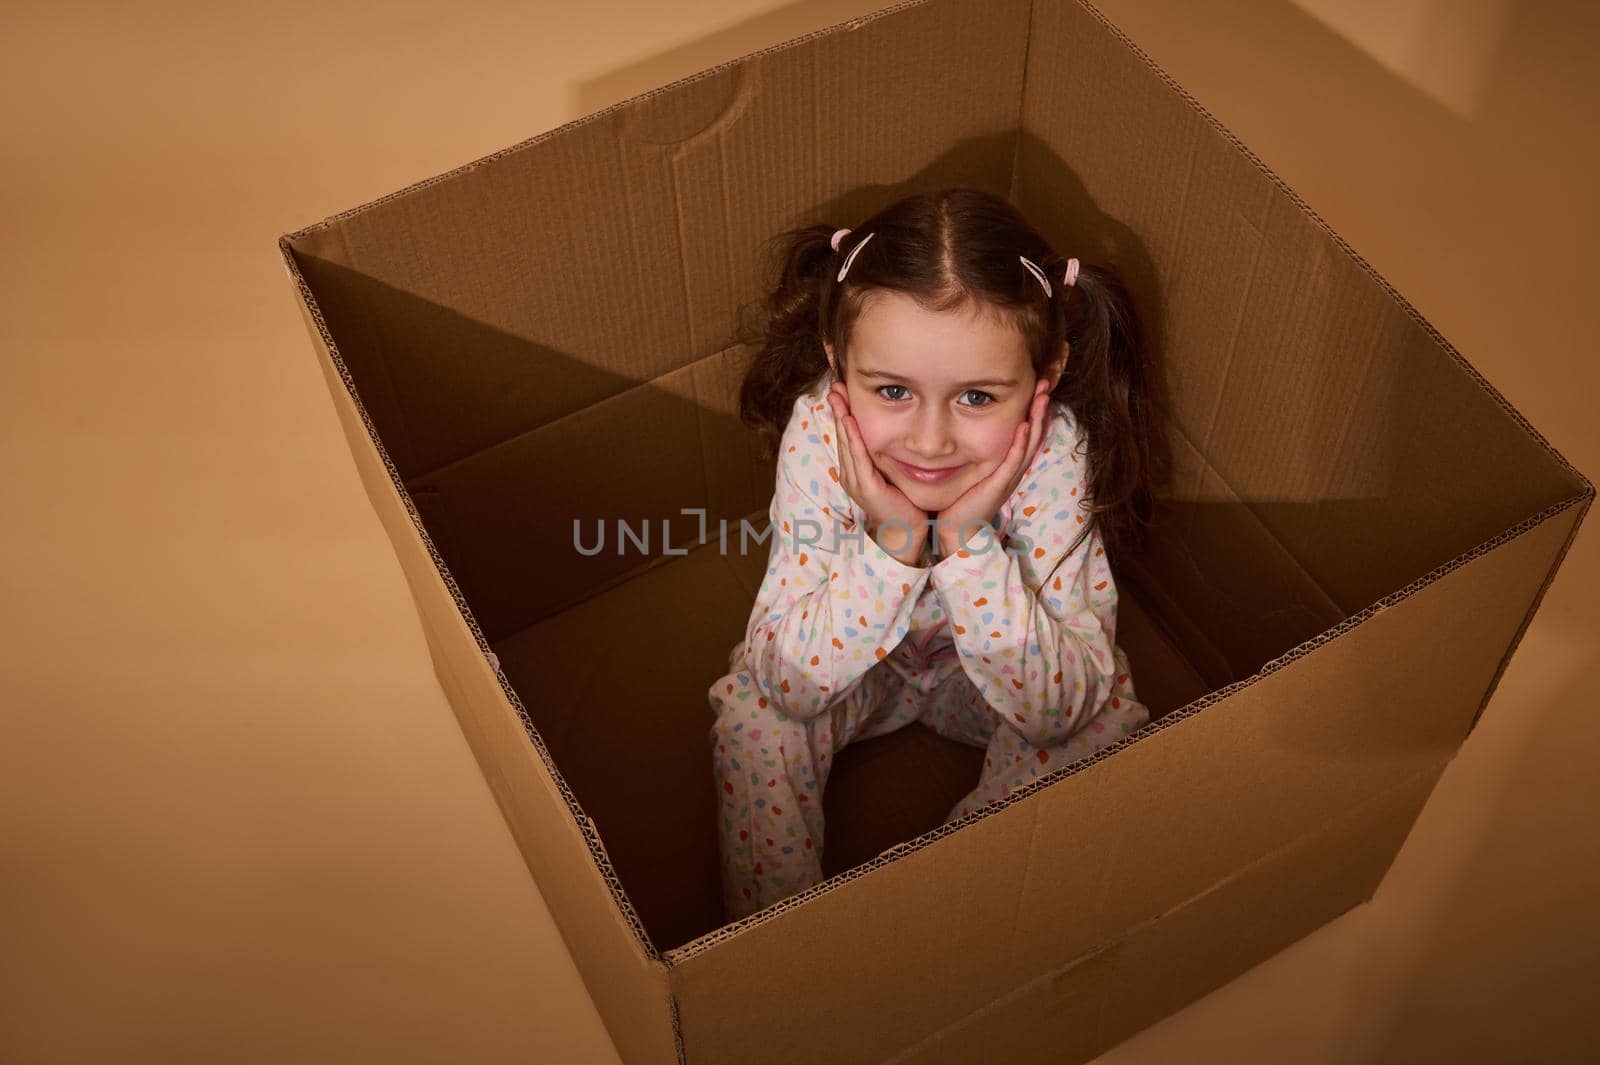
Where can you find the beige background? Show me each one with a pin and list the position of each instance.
(237, 820)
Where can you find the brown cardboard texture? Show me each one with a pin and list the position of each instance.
(1360, 530)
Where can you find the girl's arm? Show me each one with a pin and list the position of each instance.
(833, 602)
(1034, 625)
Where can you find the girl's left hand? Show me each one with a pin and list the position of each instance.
(978, 504)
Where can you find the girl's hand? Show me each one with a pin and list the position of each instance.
(866, 486)
(978, 504)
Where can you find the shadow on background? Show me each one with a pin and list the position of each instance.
(753, 34)
(1509, 924)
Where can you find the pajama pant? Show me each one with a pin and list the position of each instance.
(771, 769)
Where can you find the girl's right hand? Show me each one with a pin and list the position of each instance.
(866, 486)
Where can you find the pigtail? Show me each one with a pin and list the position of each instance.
(791, 356)
(1113, 386)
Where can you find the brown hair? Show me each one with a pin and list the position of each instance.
(954, 249)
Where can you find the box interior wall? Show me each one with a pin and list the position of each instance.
(547, 335)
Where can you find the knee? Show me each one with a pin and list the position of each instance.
(733, 695)
(726, 706)
(728, 723)
(746, 720)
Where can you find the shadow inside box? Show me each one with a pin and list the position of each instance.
(908, 779)
(890, 789)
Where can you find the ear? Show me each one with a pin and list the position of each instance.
(1054, 371)
(833, 363)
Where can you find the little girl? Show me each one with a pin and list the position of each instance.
(950, 395)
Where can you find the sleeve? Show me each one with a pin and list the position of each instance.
(832, 602)
(1033, 624)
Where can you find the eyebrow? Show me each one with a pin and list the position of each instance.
(993, 382)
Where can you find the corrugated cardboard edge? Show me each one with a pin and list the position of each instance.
(847, 25)
(1024, 792)
(644, 954)
(1585, 497)
(1064, 1015)
(1276, 762)
(1294, 197)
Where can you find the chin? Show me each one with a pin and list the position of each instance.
(931, 499)
(932, 502)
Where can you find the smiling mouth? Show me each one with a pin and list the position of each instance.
(927, 476)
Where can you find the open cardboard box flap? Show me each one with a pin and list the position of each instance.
(541, 342)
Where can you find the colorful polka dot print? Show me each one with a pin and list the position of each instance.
(1009, 645)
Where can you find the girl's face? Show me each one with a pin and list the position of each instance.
(936, 395)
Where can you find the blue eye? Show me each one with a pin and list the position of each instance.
(973, 397)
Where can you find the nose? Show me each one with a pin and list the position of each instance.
(929, 437)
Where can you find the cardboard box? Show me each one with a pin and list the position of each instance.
(1360, 530)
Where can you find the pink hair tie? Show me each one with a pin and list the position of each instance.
(838, 235)
(1071, 276)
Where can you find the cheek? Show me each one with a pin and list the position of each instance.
(988, 442)
(877, 431)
